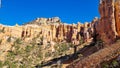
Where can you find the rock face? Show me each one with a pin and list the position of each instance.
(59, 32)
(108, 26)
(117, 16)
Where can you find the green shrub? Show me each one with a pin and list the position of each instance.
(1, 64)
(105, 65)
(11, 54)
(28, 48)
(48, 54)
(115, 63)
(63, 47)
(70, 45)
(18, 41)
(16, 47)
(6, 62)
(10, 64)
(40, 55)
(13, 65)
(22, 66)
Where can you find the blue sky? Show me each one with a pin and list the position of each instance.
(70, 11)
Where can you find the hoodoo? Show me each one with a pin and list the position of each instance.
(108, 27)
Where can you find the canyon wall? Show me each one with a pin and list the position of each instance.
(108, 26)
(117, 16)
(51, 30)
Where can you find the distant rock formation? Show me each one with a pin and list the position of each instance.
(51, 29)
(40, 21)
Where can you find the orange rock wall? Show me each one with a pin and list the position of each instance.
(106, 27)
(117, 17)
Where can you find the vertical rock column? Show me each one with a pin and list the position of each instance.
(106, 27)
(117, 16)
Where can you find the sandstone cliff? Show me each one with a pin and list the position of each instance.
(117, 16)
(108, 25)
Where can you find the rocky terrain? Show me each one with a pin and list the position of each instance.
(44, 40)
(47, 35)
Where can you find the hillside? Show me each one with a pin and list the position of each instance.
(94, 60)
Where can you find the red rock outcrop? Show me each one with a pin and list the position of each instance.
(106, 28)
(117, 16)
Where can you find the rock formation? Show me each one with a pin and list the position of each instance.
(117, 16)
(45, 31)
(40, 21)
(56, 32)
(108, 26)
